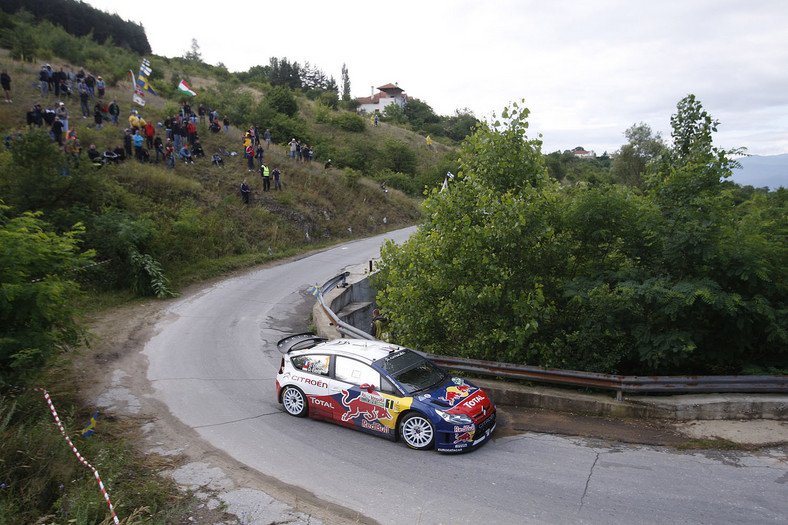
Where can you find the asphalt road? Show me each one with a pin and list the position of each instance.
(213, 362)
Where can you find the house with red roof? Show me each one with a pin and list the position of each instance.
(386, 95)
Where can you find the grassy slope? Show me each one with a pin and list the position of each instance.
(202, 202)
(203, 230)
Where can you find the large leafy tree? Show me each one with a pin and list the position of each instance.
(466, 282)
(36, 285)
(642, 147)
(672, 279)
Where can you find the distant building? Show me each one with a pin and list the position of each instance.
(583, 154)
(386, 95)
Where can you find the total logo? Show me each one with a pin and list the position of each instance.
(472, 402)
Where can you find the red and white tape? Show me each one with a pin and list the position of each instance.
(74, 449)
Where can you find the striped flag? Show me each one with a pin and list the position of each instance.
(184, 88)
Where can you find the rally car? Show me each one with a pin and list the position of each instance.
(382, 389)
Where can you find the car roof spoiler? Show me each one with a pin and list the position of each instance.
(299, 342)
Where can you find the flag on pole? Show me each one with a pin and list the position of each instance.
(315, 289)
(270, 251)
(142, 77)
(91, 427)
(307, 235)
(183, 87)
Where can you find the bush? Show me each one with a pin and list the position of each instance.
(349, 122)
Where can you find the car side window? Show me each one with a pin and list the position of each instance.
(355, 372)
(314, 364)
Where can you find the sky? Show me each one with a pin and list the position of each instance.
(587, 71)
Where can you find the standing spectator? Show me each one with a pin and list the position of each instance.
(97, 116)
(49, 115)
(127, 143)
(256, 136)
(184, 134)
(259, 154)
(114, 113)
(62, 113)
(266, 175)
(57, 131)
(150, 131)
(245, 191)
(90, 82)
(226, 122)
(83, 99)
(159, 147)
(169, 154)
(276, 173)
(299, 153)
(201, 113)
(168, 127)
(5, 80)
(191, 131)
(43, 80)
(267, 136)
(250, 156)
(100, 86)
(292, 144)
(376, 120)
(59, 79)
(138, 142)
(176, 132)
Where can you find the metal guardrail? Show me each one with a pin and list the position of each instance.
(618, 383)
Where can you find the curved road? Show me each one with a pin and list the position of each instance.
(213, 362)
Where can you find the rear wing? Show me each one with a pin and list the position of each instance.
(299, 342)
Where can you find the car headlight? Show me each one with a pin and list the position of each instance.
(454, 419)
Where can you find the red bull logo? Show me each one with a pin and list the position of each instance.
(453, 393)
(372, 407)
(463, 438)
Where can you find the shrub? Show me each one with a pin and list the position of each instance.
(349, 122)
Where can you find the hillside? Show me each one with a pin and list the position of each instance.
(191, 219)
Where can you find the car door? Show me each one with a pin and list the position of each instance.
(369, 402)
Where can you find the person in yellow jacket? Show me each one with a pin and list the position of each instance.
(136, 121)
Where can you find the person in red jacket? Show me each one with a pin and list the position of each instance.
(150, 131)
(191, 131)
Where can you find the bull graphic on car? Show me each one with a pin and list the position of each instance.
(359, 403)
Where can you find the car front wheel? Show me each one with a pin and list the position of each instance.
(294, 401)
(417, 431)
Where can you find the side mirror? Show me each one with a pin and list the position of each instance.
(369, 388)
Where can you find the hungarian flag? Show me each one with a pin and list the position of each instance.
(183, 87)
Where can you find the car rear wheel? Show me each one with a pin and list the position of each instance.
(417, 431)
(294, 401)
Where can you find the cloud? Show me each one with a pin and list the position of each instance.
(587, 71)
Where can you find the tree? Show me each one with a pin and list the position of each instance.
(345, 84)
(468, 282)
(643, 146)
(36, 269)
(194, 54)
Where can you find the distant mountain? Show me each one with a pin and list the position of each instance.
(760, 171)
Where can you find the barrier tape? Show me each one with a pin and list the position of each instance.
(74, 449)
(74, 270)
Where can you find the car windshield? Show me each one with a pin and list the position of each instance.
(412, 371)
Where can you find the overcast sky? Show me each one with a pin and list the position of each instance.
(586, 70)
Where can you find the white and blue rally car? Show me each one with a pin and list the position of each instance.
(382, 389)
